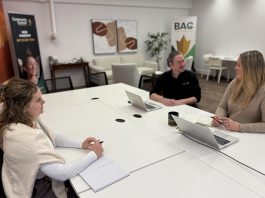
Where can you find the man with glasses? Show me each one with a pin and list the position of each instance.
(177, 86)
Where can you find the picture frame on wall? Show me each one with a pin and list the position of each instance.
(127, 36)
(104, 36)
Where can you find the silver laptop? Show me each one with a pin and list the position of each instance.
(137, 101)
(212, 137)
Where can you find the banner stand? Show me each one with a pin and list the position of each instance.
(25, 39)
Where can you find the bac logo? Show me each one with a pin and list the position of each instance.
(184, 26)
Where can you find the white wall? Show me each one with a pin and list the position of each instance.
(228, 27)
(73, 21)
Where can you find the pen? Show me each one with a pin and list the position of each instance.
(219, 121)
(98, 142)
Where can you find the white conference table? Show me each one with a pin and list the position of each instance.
(225, 58)
(161, 161)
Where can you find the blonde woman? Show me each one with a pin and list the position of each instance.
(242, 107)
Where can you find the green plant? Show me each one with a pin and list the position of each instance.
(155, 43)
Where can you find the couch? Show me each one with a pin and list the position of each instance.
(103, 64)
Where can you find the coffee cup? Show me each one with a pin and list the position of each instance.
(171, 121)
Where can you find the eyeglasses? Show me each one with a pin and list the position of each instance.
(178, 62)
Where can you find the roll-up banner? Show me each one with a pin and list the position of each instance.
(183, 37)
(6, 69)
(25, 39)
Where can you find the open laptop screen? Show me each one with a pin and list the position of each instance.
(212, 137)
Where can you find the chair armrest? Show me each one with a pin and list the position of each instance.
(95, 69)
(151, 64)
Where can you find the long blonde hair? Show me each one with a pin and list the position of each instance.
(253, 77)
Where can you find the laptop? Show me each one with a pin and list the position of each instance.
(212, 137)
(137, 101)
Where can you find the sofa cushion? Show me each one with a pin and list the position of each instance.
(145, 70)
(137, 59)
(106, 62)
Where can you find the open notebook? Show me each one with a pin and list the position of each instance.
(102, 173)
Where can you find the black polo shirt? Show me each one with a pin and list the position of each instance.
(185, 86)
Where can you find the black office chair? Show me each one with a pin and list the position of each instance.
(2, 192)
(147, 82)
(97, 79)
(58, 84)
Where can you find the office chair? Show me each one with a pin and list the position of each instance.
(97, 79)
(147, 82)
(125, 73)
(205, 59)
(215, 63)
(58, 84)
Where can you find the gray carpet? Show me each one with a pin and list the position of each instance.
(211, 93)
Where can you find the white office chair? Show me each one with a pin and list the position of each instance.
(215, 63)
(188, 62)
(205, 58)
(125, 73)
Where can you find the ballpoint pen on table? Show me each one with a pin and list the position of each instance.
(98, 142)
(218, 120)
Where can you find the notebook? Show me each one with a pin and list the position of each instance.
(137, 101)
(212, 137)
(102, 173)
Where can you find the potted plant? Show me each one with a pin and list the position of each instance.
(155, 43)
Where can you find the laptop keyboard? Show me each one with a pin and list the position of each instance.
(221, 140)
(149, 106)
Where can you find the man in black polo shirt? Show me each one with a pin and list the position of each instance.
(177, 86)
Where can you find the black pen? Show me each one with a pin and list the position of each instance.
(219, 121)
(98, 142)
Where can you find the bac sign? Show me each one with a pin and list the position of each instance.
(184, 26)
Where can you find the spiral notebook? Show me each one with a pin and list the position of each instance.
(102, 173)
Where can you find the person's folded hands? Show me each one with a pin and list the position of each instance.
(88, 141)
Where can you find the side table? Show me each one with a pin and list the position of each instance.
(60, 66)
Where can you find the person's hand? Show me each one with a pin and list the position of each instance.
(87, 142)
(230, 124)
(216, 121)
(175, 102)
(93, 144)
(97, 148)
(168, 102)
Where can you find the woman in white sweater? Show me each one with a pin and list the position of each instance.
(31, 166)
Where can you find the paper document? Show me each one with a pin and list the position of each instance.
(201, 120)
(102, 173)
